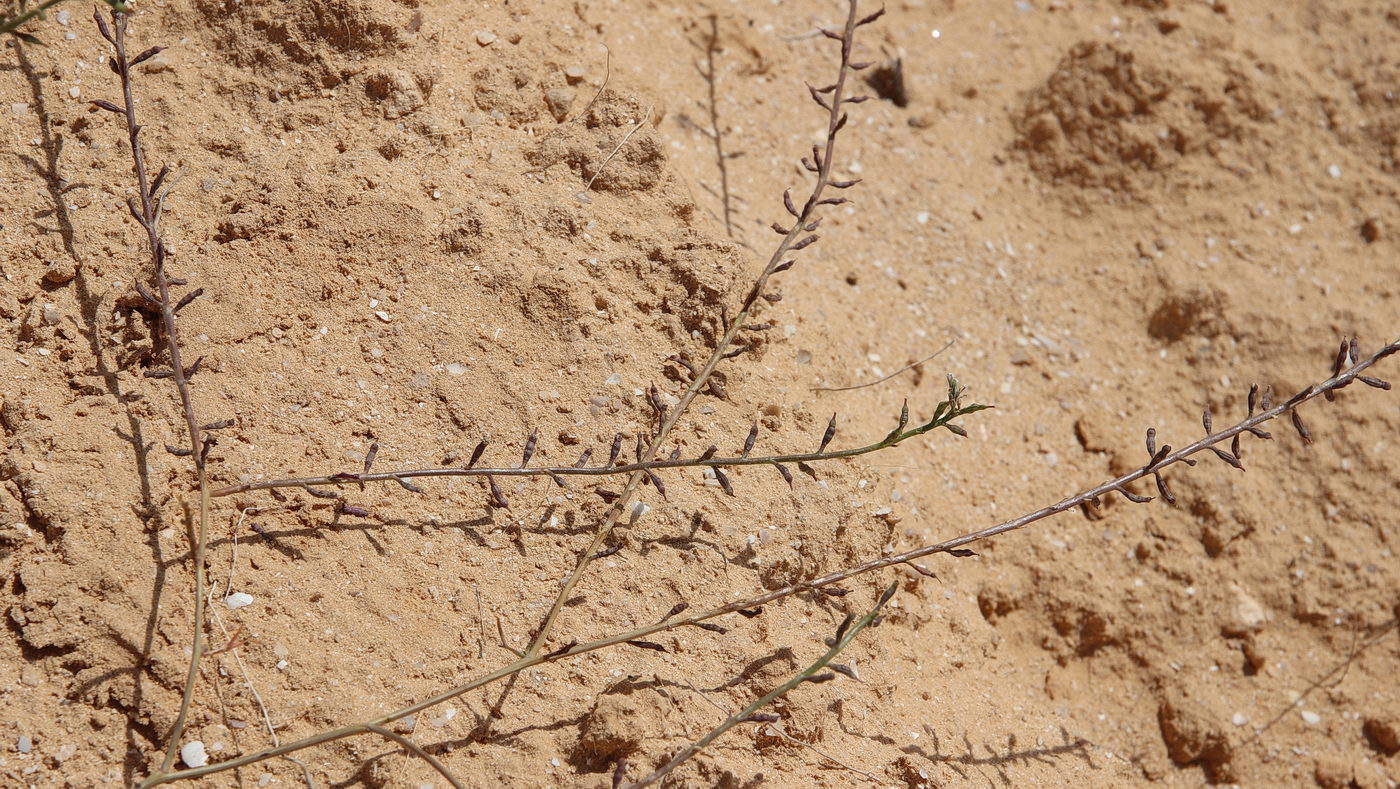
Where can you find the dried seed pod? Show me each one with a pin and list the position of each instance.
(828, 435)
(1300, 427)
(1133, 497)
(656, 480)
(1152, 441)
(709, 453)
(787, 475)
(476, 453)
(603, 554)
(189, 297)
(1162, 489)
(724, 481)
(652, 645)
(749, 442)
(1228, 458)
(498, 499)
(844, 626)
(408, 486)
(675, 609)
(750, 613)
(530, 447)
(1205, 419)
(370, 455)
(787, 202)
(616, 450)
(583, 459)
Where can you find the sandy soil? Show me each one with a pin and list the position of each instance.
(1119, 212)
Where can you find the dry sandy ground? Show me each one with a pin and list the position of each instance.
(1119, 212)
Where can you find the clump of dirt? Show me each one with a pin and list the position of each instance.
(1123, 119)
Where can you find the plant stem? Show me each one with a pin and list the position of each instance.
(1338, 381)
(149, 217)
(739, 717)
(571, 471)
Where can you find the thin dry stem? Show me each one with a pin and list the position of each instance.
(149, 218)
(843, 640)
(1183, 455)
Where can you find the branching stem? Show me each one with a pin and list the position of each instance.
(1342, 379)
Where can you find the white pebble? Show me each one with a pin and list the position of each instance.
(264, 779)
(1239, 719)
(25, 744)
(1311, 718)
(74, 92)
(193, 754)
(921, 217)
(238, 600)
(485, 37)
(456, 368)
(1334, 171)
(382, 315)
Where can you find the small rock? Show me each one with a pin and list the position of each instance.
(238, 600)
(575, 74)
(1247, 615)
(1311, 718)
(157, 64)
(60, 272)
(485, 37)
(52, 315)
(65, 752)
(560, 101)
(31, 675)
(1239, 719)
(193, 754)
(25, 744)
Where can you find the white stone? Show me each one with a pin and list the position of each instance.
(1311, 718)
(193, 754)
(238, 600)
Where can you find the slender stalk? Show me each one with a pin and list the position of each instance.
(149, 217)
(795, 238)
(843, 641)
(941, 419)
(1338, 381)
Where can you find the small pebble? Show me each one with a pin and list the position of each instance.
(485, 37)
(1334, 171)
(264, 779)
(74, 92)
(58, 273)
(238, 600)
(193, 754)
(1239, 719)
(575, 73)
(456, 368)
(25, 744)
(382, 315)
(1311, 718)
